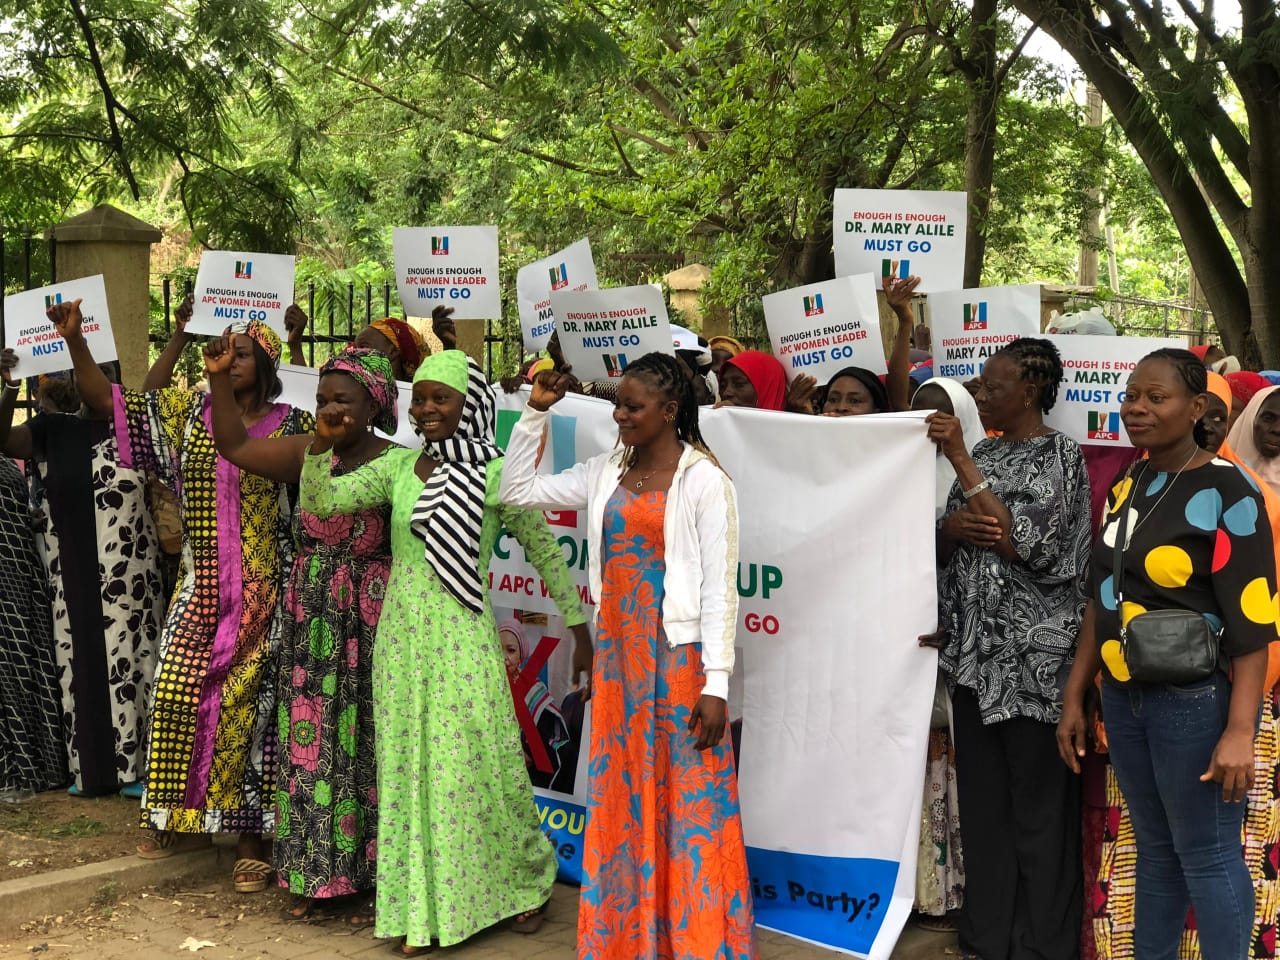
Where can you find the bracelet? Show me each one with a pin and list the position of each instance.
(975, 490)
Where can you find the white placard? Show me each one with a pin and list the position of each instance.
(824, 327)
(970, 325)
(601, 331)
(570, 270)
(833, 721)
(237, 287)
(299, 390)
(40, 348)
(450, 266)
(901, 233)
(1094, 373)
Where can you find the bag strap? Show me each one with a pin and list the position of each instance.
(1122, 534)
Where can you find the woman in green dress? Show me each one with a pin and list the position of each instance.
(460, 845)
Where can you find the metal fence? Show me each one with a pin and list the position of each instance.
(1136, 317)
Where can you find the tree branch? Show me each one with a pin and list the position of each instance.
(108, 97)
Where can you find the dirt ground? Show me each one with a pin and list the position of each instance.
(53, 830)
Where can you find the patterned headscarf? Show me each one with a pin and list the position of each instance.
(372, 371)
(450, 509)
(261, 334)
(407, 340)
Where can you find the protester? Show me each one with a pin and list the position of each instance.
(326, 796)
(854, 391)
(32, 755)
(459, 842)
(1183, 754)
(723, 348)
(1245, 384)
(1209, 354)
(1015, 540)
(1255, 435)
(753, 379)
(160, 374)
(211, 755)
(695, 353)
(398, 342)
(102, 555)
(940, 864)
(664, 867)
(545, 752)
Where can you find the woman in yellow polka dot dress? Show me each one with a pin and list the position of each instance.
(212, 751)
(1197, 539)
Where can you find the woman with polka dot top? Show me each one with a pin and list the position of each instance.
(1197, 539)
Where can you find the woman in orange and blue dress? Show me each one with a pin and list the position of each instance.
(664, 864)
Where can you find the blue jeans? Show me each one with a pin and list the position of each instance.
(1161, 739)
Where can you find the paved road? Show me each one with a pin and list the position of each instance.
(154, 925)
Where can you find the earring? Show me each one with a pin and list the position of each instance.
(670, 419)
(1026, 405)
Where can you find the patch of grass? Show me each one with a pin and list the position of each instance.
(79, 827)
(106, 895)
(18, 821)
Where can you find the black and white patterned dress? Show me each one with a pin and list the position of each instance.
(32, 756)
(1012, 626)
(103, 558)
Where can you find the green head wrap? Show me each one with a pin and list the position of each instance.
(448, 367)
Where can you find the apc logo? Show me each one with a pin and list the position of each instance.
(244, 269)
(559, 277)
(813, 305)
(439, 246)
(975, 315)
(1103, 425)
(895, 269)
(52, 300)
(615, 363)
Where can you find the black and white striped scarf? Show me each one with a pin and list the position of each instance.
(450, 509)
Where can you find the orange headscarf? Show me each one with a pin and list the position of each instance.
(1220, 388)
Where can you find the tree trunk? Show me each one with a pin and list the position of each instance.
(1091, 229)
(980, 135)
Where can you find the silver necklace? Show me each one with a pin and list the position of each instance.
(1165, 493)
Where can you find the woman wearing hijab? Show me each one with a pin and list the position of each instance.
(211, 756)
(326, 798)
(723, 348)
(460, 846)
(940, 864)
(1245, 385)
(853, 392)
(753, 379)
(397, 341)
(1255, 436)
(1111, 890)
(548, 737)
(103, 561)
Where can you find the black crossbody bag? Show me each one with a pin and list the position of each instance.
(1162, 646)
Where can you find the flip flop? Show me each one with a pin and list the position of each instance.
(362, 915)
(402, 949)
(258, 869)
(530, 921)
(132, 790)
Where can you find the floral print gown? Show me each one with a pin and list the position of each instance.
(327, 796)
(460, 844)
(664, 864)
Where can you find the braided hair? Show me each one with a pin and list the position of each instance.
(1040, 365)
(668, 374)
(1191, 371)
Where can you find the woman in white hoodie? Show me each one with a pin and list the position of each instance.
(664, 865)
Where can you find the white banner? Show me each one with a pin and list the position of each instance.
(571, 270)
(1094, 373)
(237, 287)
(837, 691)
(970, 325)
(823, 327)
(300, 384)
(900, 233)
(453, 266)
(601, 331)
(40, 348)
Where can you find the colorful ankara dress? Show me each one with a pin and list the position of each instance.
(327, 790)
(460, 846)
(104, 568)
(32, 755)
(212, 753)
(664, 866)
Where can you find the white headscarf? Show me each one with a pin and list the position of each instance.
(970, 425)
(1240, 439)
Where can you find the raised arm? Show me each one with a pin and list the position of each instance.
(522, 486)
(94, 387)
(278, 458)
(898, 293)
(161, 373)
(295, 325)
(14, 441)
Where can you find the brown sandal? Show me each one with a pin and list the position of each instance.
(530, 921)
(402, 949)
(259, 870)
(163, 844)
